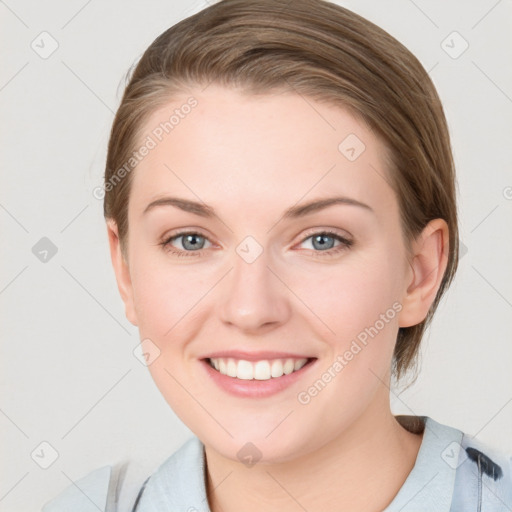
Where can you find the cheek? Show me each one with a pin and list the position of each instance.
(168, 303)
(357, 304)
(348, 297)
(164, 295)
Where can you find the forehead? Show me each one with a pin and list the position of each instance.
(232, 149)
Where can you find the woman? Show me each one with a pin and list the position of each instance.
(281, 211)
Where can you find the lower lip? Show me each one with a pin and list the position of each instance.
(255, 388)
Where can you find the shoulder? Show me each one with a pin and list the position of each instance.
(454, 472)
(179, 482)
(483, 477)
(90, 493)
(120, 487)
(112, 488)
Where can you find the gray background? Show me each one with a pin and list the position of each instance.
(69, 376)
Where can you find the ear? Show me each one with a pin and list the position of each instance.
(122, 271)
(428, 265)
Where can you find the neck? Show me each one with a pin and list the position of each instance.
(363, 469)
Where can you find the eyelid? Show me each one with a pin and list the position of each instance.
(345, 243)
(310, 232)
(166, 239)
(186, 231)
(345, 235)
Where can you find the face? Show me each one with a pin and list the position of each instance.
(248, 270)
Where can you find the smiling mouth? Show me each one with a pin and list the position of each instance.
(266, 369)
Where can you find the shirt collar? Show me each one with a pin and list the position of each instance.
(179, 483)
(430, 484)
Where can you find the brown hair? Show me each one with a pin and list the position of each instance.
(322, 51)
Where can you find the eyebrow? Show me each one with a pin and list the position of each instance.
(294, 212)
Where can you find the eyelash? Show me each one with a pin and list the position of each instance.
(345, 244)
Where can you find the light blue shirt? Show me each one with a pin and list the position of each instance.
(452, 473)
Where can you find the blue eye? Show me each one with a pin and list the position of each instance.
(325, 241)
(323, 244)
(193, 243)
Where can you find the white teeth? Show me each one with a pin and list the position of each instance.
(262, 370)
(288, 366)
(298, 364)
(231, 369)
(244, 370)
(277, 368)
(259, 370)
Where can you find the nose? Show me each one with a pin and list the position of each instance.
(254, 296)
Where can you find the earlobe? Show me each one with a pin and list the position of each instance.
(122, 271)
(428, 265)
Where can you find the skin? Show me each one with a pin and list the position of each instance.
(250, 158)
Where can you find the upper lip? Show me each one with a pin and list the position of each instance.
(255, 356)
